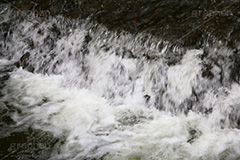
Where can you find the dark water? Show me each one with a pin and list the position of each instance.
(149, 41)
(183, 22)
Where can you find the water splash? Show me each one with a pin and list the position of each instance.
(115, 95)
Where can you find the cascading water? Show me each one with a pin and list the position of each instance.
(73, 89)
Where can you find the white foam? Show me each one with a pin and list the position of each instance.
(183, 77)
(96, 98)
(95, 128)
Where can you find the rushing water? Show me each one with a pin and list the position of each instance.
(72, 89)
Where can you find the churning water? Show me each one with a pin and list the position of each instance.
(73, 89)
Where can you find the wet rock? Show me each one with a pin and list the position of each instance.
(147, 97)
(193, 135)
(235, 72)
(30, 144)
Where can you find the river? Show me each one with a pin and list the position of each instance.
(75, 88)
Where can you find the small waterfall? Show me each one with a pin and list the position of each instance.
(82, 91)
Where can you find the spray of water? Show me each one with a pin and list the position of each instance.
(114, 95)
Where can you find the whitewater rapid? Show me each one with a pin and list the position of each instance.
(118, 96)
(95, 128)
